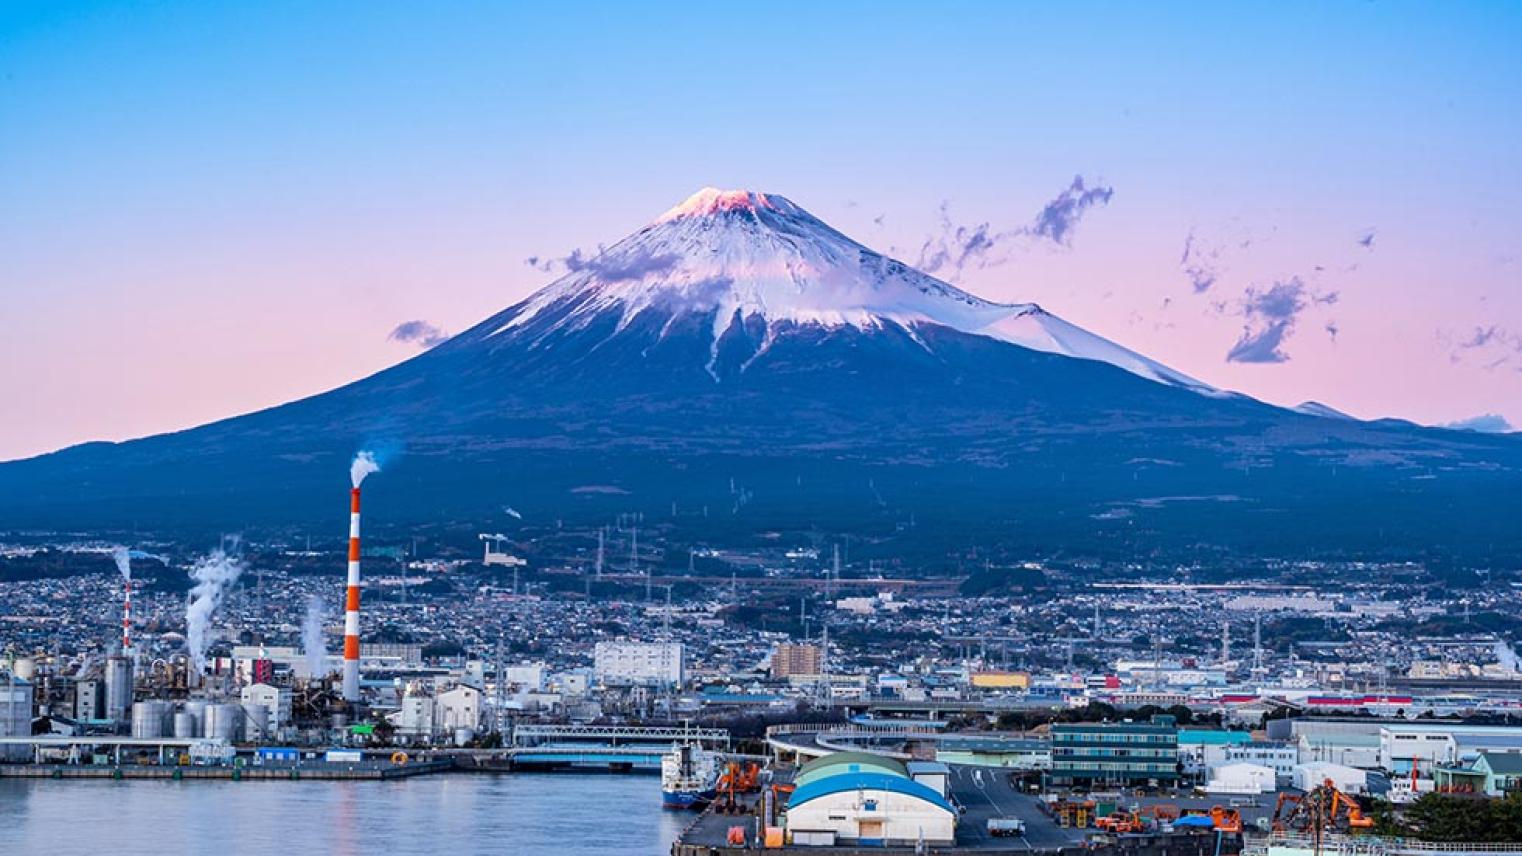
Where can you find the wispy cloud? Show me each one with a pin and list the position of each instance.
(1202, 266)
(1490, 347)
(620, 267)
(1208, 255)
(1486, 423)
(1060, 216)
(957, 248)
(1270, 317)
(420, 333)
(624, 266)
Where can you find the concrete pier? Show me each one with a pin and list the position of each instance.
(309, 772)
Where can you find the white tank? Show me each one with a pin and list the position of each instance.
(223, 721)
(118, 688)
(256, 722)
(26, 668)
(148, 719)
(197, 709)
(463, 736)
(185, 726)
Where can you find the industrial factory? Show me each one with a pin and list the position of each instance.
(193, 709)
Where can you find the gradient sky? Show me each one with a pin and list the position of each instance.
(211, 208)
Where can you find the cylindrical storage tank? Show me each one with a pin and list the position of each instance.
(148, 719)
(256, 722)
(340, 721)
(463, 736)
(26, 668)
(197, 710)
(222, 721)
(184, 726)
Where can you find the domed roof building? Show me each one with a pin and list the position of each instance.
(868, 800)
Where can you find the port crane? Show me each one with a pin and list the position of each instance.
(736, 779)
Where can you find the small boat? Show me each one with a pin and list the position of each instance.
(687, 776)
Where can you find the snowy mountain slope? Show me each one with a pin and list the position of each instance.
(745, 258)
(1316, 408)
(738, 367)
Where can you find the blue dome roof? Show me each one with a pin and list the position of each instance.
(866, 782)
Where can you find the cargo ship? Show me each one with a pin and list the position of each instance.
(687, 776)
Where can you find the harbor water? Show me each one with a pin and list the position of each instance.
(454, 814)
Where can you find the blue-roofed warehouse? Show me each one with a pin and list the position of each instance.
(849, 798)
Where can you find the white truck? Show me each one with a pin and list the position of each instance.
(1006, 827)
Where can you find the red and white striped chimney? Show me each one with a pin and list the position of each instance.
(127, 617)
(351, 606)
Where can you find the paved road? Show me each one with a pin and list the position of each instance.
(987, 793)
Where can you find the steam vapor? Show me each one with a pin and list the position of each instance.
(364, 464)
(1506, 656)
(123, 559)
(214, 575)
(313, 643)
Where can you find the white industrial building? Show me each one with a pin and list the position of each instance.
(1427, 745)
(1345, 779)
(1278, 756)
(1395, 747)
(1351, 743)
(276, 705)
(639, 663)
(282, 657)
(423, 718)
(414, 719)
(1241, 778)
(456, 709)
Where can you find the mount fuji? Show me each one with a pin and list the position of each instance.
(737, 367)
(746, 263)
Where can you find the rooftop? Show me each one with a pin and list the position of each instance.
(847, 782)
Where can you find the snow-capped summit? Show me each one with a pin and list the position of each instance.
(738, 257)
(711, 200)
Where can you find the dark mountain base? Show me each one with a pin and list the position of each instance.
(939, 442)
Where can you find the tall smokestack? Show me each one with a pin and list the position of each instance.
(127, 617)
(351, 605)
(123, 558)
(363, 465)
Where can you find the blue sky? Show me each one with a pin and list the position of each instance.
(208, 208)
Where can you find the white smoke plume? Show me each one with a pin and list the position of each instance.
(363, 465)
(214, 574)
(1506, 656)
(123, 558)
(313, 644)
